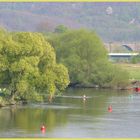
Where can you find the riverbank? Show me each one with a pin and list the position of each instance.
(130, 86)
(5, 102)
(133, 69)
(134, 73)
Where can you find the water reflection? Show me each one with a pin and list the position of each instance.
(71, 116)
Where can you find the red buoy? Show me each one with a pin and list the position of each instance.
(137, 89)
(43, 129)
(110, 108)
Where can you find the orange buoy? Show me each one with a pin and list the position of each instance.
(110, 108)
(43, 129)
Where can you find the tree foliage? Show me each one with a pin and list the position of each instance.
(60, 29)
(28, 66)
(86, 58)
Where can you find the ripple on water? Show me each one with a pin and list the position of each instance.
(53, 106)
(79, 97)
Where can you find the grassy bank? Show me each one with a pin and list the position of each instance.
(133, 69)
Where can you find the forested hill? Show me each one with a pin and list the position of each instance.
(112, 21)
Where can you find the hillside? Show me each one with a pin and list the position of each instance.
(112, 21)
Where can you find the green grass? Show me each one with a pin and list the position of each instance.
(133, 69)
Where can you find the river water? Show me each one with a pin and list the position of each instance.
(70, 116)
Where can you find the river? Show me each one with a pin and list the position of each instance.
(72, 117)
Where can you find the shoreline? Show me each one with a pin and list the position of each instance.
(132, 86)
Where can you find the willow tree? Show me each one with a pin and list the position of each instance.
(84, 54)
(28, 67)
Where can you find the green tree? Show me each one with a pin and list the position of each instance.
(83, 53)
(60, 29)
(28, 67)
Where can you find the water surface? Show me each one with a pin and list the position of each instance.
(70, 116)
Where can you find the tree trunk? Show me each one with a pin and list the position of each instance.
(12, 96)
